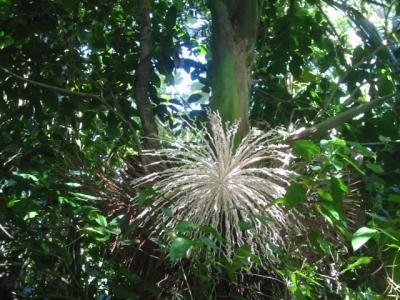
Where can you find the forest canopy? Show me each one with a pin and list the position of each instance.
(210, 149)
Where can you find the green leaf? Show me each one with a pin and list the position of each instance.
(73, 184)
(209, 243)
(179, 248)
(306, 149)
(167, 212)
(325, 195)
(394, 198)
(144, 196)
(352, 163)
(27, 176)
(338, 189)
(263, 219)
(89, 229)
(364, 151)
(388, 234)
(62, 200)
(30, 215)
(243, 225)
(295, 195)
(301, 274)
(185, 226)
(374, 167)
(12, 202)
(194, 98)
(361, 236)
(84, 197)
(214, 232)
(365, 260)
(337, 164)
(385, 87)
(101, 220)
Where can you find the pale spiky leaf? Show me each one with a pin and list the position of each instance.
(215, 183)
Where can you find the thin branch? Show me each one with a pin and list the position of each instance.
(51, 87)
(277, 99)
(187, 282)
(332, 27)
(352, 68)
(338, 120)
(6, 232)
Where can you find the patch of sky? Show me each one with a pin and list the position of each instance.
(183, 86)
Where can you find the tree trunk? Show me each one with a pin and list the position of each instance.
(233, 37)
(143, 73)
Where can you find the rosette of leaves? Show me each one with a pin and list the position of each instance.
(208, 180)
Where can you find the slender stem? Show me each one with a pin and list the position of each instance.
(6, 232)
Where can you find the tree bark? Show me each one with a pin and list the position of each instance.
(143, 73)
(233, 37)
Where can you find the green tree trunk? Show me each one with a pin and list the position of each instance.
(143, 74)
(234, 33)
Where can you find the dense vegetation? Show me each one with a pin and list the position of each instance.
(117, 183)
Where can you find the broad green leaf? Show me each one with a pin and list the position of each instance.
(364, 151)
(245, 252)
(385, 87)
(185, 226)
(295, 195)
(209, 243)
(179, 248)
(361, 236)
(308, 278)
(213, 232)
(243, 225)
(337, 164)
(306, 149)
(90, 229)
(167, 212)
(374, 167)
(113, 230)
(325, 195)
(101, 220)
(263, 219)
(144, 196)
(63, 200)
(30, 215)
(394, 198)
(352, 163)
(365, 260)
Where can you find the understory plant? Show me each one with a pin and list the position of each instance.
(208, 180)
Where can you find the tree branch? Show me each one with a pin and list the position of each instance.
(6, 232)
(80, 94)
(338, 120)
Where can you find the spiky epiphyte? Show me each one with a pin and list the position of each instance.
(214, 182)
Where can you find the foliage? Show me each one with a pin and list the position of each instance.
(73, 224)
